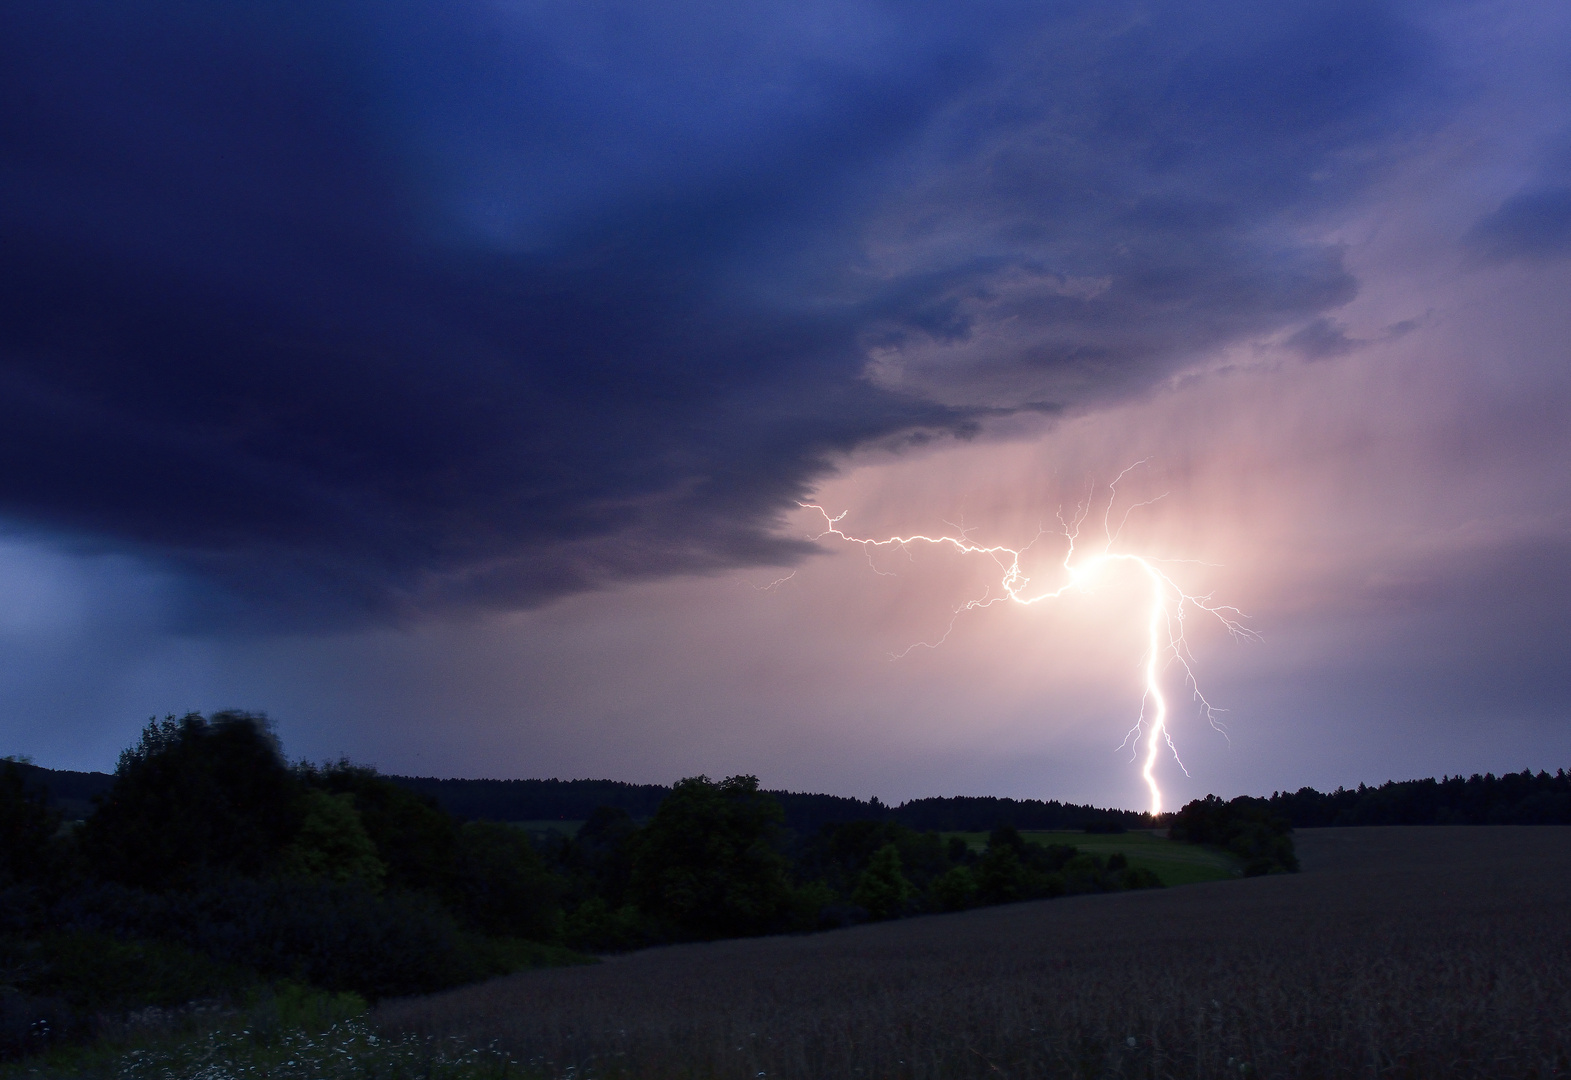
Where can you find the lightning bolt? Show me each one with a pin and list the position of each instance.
(1082, 563)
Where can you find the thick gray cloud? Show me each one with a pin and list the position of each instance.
(349, 310)
(1534, 224)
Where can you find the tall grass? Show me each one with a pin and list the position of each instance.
(290, 1033)
(1439, 952)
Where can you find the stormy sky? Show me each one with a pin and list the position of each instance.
(443, 380)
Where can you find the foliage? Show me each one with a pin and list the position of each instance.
(594, 924)
(501, 885)
(805, 813)
(415, 839)
(212, 868)
(955, 889)
(290, 1032)
(335, 936)
(1420, 954)
(28, 852)
(1246, 827)
(708, 866)
(195, 797)
(1523, 798)
(882, 889)
(96, 971)
(332, 843)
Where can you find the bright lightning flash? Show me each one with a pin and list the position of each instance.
(1164, 618)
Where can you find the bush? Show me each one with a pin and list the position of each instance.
(955, 889)
(1246, 827)
(193, 798)
(94, 971)
(597, 926)
(334, 936)
(28, 851)
(414, 837)
(332, 843)
(501, 886)
(882, 890)
(707, 865)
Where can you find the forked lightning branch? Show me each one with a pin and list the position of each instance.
(1082, 567)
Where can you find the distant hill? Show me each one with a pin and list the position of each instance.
(1524, 798)
(1514, 798)
(575, 800)
(72, 792)
(535, 800)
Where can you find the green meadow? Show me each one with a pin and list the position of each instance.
(1175, 863)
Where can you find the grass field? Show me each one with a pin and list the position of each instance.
(1398, 952)
(1174, 863)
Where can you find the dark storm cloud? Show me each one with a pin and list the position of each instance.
(383, 309)
(1534, 224)
(1320, 339)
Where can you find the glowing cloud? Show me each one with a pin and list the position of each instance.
(1164, 616)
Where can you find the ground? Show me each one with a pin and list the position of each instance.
(1433, 952)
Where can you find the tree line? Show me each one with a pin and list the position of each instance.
(1524, 798)
(209, 864)
(575, 800)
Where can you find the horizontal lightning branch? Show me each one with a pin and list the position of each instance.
(1082, 563)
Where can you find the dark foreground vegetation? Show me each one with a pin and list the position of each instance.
(211, 874)
(1434, 953)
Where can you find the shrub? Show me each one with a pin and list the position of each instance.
(195, 797)
(415, 838)
(955, 889)
(1246, 827)
(501, 886)
(335, 936)
(332, 843)
(28, 851)
(597, 926)
(882, 889)
(707, 865)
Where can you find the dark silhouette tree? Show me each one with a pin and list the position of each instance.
(415, 838)
(196, 797)
(707, 865)
(28, 850)
(882, 890)
(1249, 828)
(503, 888)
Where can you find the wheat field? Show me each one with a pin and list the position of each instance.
(1397, 952)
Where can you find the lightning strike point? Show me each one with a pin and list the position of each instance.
(1164, 615)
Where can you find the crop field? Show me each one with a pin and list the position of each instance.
(1398, 952)
(1173, 862)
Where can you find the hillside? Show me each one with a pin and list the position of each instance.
(1398, 951)
(1524, 798)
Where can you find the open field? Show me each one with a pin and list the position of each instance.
(1174, 863)
(1410, 952)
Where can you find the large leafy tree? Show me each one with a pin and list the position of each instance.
(1249, 828)
(503, 886)
(707, 865)
(415, 838)
(195, 797)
